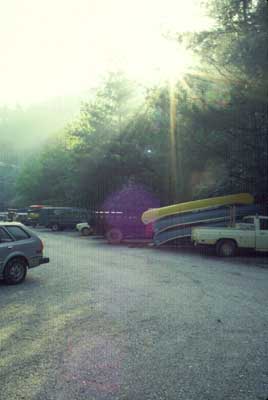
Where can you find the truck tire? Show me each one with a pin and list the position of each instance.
(226, 248)
(55, 227)
(114, 236)
(85, 231)
(15, 271)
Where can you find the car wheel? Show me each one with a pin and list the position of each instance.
(85, 231)
(226, 248)
(55, 227)
(15, 271)
(114, 236)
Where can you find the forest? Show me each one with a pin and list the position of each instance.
(205, 134)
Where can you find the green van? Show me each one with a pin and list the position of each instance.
(58, 218)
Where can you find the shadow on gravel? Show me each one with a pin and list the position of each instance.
(29, 283)
(245, 257)
(55, 342)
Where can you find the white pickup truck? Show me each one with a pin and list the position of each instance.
(252, 233)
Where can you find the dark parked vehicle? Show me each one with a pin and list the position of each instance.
(11, 212)
(21, 217)
(58, 218)
(20, 250)
(3, 216)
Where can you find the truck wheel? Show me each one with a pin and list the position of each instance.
(114, 236)
(226, 248)
(15, 271)
(55, 227)
(85, 231)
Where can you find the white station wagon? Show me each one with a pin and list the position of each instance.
(20, 250)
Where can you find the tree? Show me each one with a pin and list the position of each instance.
(237, 130)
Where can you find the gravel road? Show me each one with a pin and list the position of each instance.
(102, 322)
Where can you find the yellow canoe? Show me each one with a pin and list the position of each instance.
(156, 213)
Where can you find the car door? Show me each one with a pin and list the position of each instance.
(262, 235)
(6, 247)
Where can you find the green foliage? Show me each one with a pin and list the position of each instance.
(45, 178)
(235, 130)
(123, 134)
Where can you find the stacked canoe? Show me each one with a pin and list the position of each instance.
(176, 221)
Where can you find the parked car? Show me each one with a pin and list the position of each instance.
(21, 217)
(84, 228)
(252, 233)
(11, 212)
(20, 250)
(3, 216)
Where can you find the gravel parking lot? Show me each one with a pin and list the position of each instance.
(124, 322)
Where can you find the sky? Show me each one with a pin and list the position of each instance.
(63, 47)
